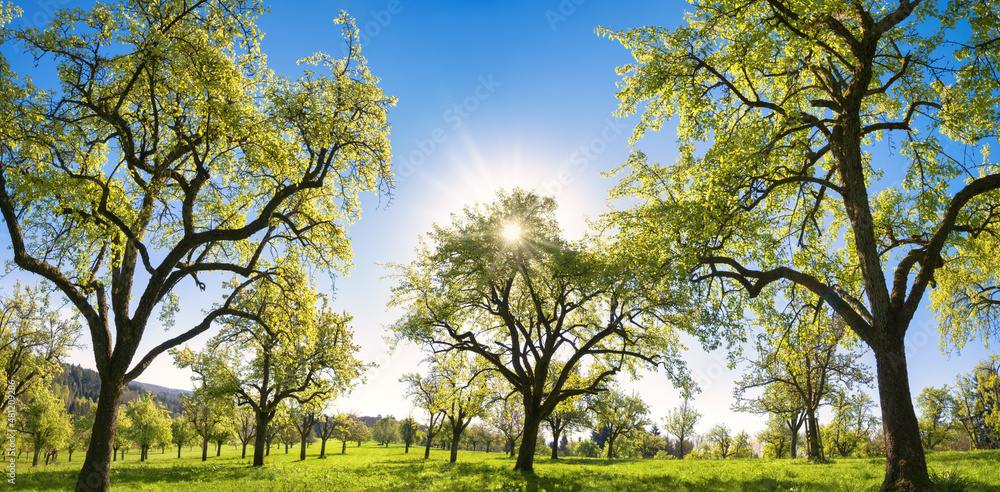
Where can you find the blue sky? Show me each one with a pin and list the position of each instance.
(491, 94)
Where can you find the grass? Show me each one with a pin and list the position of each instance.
(387, 469)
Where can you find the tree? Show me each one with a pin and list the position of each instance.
(780, 105)
(680, 422)
(721, 439)
(621, 414)
(935, 406)
(505, 413)
(800, 350)
(385, 431)
(428, 395)
(853, 423)
(346, 428)
(34, 340)
(976, 397)
(279, 341)
(246, 427)
(122, 441)
(741, 445)
(501, 283)
(776, 437)
(208, 416)
(150, 423)
(568, 416)
(181, 432)
(408, 430)
(45, 423)
(167, 152)
(304, 419)
(80, 435)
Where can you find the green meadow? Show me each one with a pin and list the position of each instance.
(386, 469)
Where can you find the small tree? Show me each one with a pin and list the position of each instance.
(246, 427)
(776, 438)
(427, 394)
(408, 429)
(45, 422)
(181, 432)
(304, 418)
(385, 431)
(721, 439)
(680, 422)
(621, 414)
(150, 424)
(207, 416)
(934, 405)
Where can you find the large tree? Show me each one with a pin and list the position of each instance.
(169, 151)
(783, 108)
(279, 341)
(501, 283)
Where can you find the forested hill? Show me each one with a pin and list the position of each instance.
(79, 388)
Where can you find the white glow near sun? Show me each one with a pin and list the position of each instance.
(512, 232)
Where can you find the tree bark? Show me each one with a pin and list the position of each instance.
(529, 439)
(812, 433)
(322, 449)
(427, 449)
(34, 460)
(245, 449)
(905, 467)
(179, 451)
(343, 449)
(302, 449)
(204, 449)
(555, 444)
(95, 476)
(260, 444)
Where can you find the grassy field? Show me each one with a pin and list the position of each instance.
(385, 469)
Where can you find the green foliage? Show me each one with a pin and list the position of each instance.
(34, 340)
(587, 448)
(386, 431)
(535, 307)
(935, 406)
(151, 424)
(680, 422)
(722, 441)
(45, 423)
(621, 414)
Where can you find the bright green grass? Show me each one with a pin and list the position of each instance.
(386, 469)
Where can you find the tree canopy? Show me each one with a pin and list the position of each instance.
(169, 151)
(782, 107)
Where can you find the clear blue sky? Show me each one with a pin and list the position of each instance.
(491, 94)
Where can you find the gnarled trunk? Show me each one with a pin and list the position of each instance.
(529, 439)
(96, 472)
(260, 444)
(905, 467)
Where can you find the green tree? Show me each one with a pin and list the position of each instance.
(777, 436)
(680, 422)
(34, 340)
(45, 423)
(621, 414)
(168, 151)
(428, 394)
(121, 441)
(501, 283)
(304, 419)
(385, 431)
(408, 430)
(150, 423)
(505, 413)
(721, 439)
(80, 435)
(568, 416)
(741, 445)
(935, 406)
(853, 424)
(346, 427)
(181, 432)
(246, 427)
(976, 395)
(780, 106)
(279, 341)
(800, 351)
(208, 416)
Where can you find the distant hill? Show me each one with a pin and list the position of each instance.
(79, 387)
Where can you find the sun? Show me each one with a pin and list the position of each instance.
(512, 232)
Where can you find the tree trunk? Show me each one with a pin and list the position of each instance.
(680, 447)
(179, 451)
(218, 448)
(343, 449)
(204, 449)
(302, 449)
(812, 433)
(69, 457)
(905, 468)
(529, 438)
(555, 444)
(322, 449)
(260, 444)
(244, 456)
(427, 449)
(95, 476)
